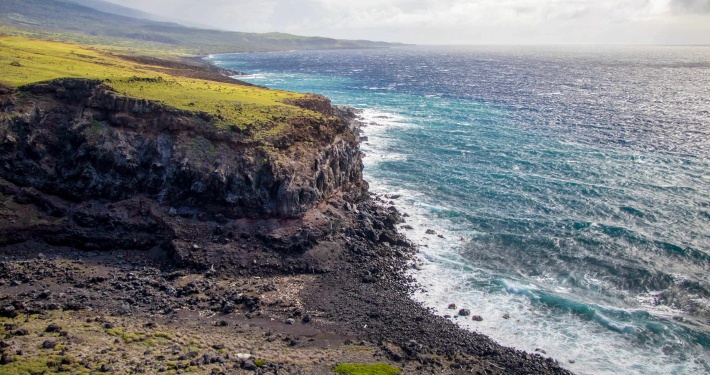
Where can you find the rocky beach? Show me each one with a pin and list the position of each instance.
(137, 238)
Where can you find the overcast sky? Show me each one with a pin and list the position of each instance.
(455, 21)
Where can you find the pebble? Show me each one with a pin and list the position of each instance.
(243, 356)
(53, 328)
(105, 368)
(21, 332)
(48, 344)
(249, 366)
(6, 358)
(8, 311)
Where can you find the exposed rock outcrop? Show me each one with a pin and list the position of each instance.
(80, 140)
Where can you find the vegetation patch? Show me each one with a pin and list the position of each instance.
(127, 337)
(55, 364)
(363, 369)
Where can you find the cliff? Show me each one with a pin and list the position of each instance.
(80, 140)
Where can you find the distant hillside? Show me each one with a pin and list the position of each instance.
(111, 8)
(67, 16)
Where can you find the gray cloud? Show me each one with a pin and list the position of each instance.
(691, 6)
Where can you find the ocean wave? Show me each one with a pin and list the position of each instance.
(581, 217)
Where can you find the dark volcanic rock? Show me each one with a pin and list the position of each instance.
(49, 344)
(53, 328)
(6, 358)
(86, 141)
(249, 366)
(8, 311)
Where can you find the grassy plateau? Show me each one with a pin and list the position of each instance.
(25, 61)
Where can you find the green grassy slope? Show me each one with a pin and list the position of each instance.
(71, 19)
(263, 111)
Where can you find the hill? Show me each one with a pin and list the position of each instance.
(120, 10)
(79, 23)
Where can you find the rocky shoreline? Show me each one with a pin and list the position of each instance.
(124, 249)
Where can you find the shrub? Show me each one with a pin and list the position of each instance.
(363, 369)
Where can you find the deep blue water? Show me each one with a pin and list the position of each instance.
(571, 187)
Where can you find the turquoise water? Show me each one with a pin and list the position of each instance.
(568, 187)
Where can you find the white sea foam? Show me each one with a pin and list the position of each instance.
(509, 313)
(592, 347)
(384, 118)
(250, 76)
(376, 126)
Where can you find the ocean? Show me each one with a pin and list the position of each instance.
(568, 188)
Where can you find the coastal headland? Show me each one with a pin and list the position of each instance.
(159, 217)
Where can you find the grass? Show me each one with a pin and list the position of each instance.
(44, 364)
(98, 346)
(263, 111)
(119, 45)
(363, 369)
(127, 337)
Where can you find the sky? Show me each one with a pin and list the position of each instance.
(454, 21)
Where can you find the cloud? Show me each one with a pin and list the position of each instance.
(691, 6)
(455, 21)
(241, 15)
(370, 14)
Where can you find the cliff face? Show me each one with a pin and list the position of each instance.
(79, 140)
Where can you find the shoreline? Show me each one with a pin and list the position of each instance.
(196, 291)
(359, 302)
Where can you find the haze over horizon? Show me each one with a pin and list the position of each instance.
(454, 21)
